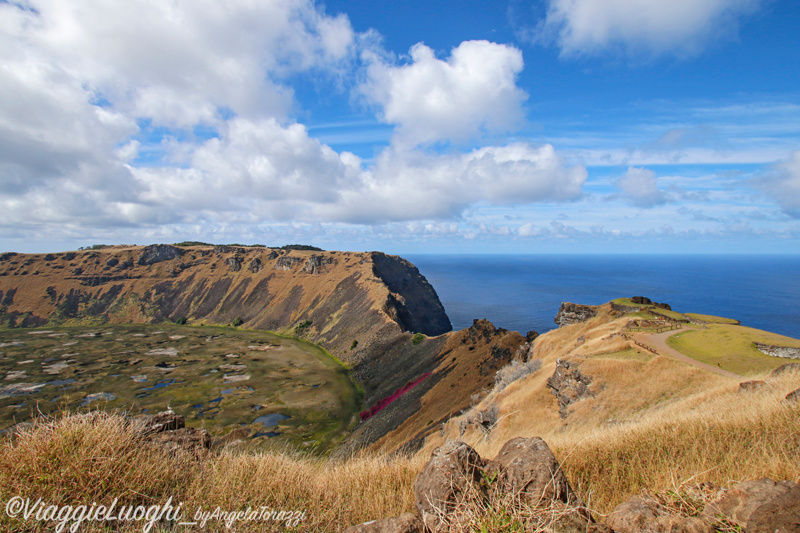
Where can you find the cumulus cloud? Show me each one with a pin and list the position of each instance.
(416, 185)
(638, 185)
(78, 79)
(99, 105)
(782, 184)
(654, 27)
(431, 100)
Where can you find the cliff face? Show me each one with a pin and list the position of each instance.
(364, 297)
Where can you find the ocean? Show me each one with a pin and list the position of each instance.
(524, 292)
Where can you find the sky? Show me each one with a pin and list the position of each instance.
(519, 126)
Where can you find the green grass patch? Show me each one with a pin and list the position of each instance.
(731, 347)
(713, 319)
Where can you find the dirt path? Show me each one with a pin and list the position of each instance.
(659, 342)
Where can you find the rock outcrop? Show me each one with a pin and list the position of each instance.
(168, 431)
(157, 253)
(568, 385)
(787, 352)
(570, 313)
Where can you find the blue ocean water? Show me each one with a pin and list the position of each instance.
(523, 292)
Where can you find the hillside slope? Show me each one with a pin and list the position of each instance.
(590, 391)
(362, 307)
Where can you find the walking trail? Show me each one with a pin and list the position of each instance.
(659, 342)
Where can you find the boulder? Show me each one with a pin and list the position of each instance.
(405, 523)
(760, 506)
(526, 468)
(192, 440)
(165, 421)
(637, 515)
(452, 475)
(793, 396)
(788, 367)
(750, 386)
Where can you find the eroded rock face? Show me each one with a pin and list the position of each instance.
(315, 263)
(234, 263)
(414, 302)
(255, 266)
(570, 313)
(760, 506)
(156, 253)
(568, 385)
(453, 473)
(287, 262)
(405, 523)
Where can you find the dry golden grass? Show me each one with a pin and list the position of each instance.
(650, 425)
(81, 459)
(657, 426)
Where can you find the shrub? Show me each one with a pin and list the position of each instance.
(513, 371)
(237, 322)
(301, 327)
(353, 346)
(417, 338)
(181, 320)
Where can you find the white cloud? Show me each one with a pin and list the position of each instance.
(406, 185)
(782, 184)
(80, 79)
(639, 186)
(77, 79)
(457, 99)
(649, 27)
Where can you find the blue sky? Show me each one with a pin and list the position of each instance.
(554, 126)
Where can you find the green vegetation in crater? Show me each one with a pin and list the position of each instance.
(218, 378)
